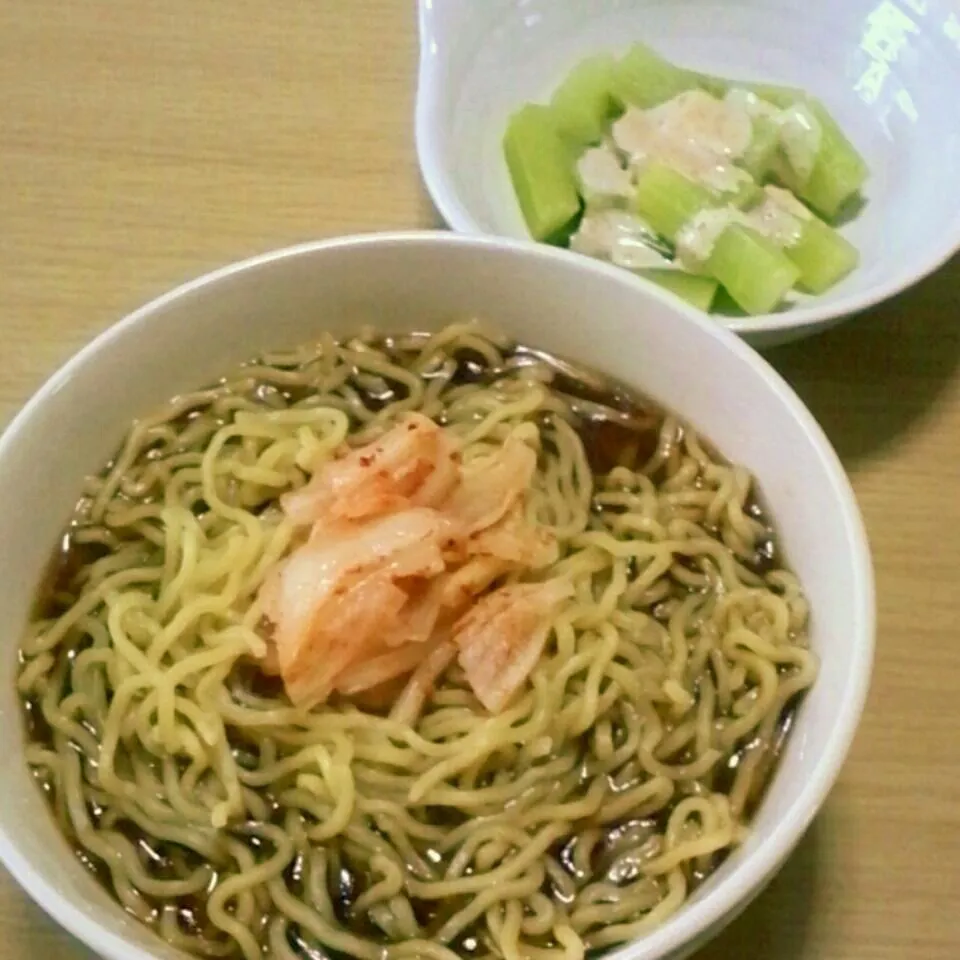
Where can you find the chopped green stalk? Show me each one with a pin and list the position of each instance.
(823, 256)
(755, 272)
(667, 200)
(715, 86)
(583, 104)
(541, 170)
(775, 93)
(778, 95)
(838, 170)
(761, 153)
(694, 288)
(644, 79)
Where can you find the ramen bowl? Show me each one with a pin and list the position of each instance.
(886, 70)
(552, 299)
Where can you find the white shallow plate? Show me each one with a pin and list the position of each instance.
(553, 299)
(889, 71)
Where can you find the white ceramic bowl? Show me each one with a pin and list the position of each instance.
(889, 70)
(557, 300)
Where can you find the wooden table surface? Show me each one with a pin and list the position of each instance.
(143, 143)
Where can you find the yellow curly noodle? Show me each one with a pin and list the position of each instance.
(236, 825)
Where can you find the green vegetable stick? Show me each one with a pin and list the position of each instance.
(667, 200)
(754, 271)
(823, 256)
(541, 169)
(694, 288)
(583, 104)
(839, 171)
(644, 79)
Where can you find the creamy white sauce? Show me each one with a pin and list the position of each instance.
(701, 137)
(799, 130)
(694, 133)
(800, 135)
(775, 222)
(787, 201)
(751, 104)
(779, 217)
(697, 237)
(604, 181)
(619, 237)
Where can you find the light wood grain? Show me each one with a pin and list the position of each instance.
(143, 143)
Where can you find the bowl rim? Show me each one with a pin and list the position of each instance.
(810, 315)
(709, 911)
